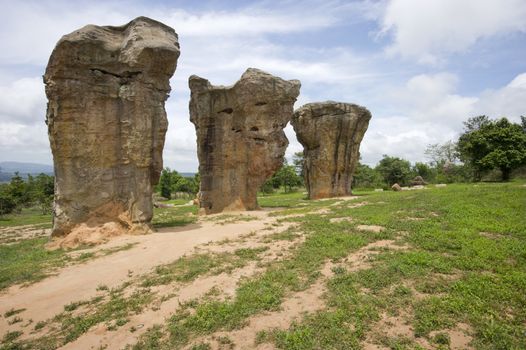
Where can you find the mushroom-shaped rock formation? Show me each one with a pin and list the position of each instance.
(330, 133)
(106, 122)
(240, 138)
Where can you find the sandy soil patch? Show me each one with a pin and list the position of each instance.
(337, 220)
(9, 235)
(340, 199)
(225, 284)
(491, 235)
(370, 228)
(44, 299)
(459, 336)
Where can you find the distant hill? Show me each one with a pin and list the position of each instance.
(187, 174)
(8, 169)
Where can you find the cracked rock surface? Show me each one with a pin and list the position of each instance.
(106, 120)
(240, 138)
(330, 133)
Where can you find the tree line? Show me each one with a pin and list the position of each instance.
(486, 149)
(35, 191)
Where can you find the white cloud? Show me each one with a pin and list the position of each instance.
(432, 97)
(401, 136)
(30, 29)
(242, 23)
(427, 109)
(23, 101)
(508, 101)
(428, 30)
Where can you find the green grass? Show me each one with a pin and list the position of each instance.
(163, 217)
(464, 277)
(282, 199)
(70, 325)
(488, 276)
(178, 201)
(188, 268)
(465, 262)
(28, 261)
(176, 216)
(13, 312)
(28, 216)
(118, 304)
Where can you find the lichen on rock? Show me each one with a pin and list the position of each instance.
(106, 120)
(331, 133)
(240, 138)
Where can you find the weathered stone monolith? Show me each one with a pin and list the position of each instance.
(106, 122)
(330, 133)
(240, 138)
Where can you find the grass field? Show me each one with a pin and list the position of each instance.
(455, 259)
(28, 216)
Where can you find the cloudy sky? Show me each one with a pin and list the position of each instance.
(421, 67)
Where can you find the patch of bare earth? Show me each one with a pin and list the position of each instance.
(370, 228)
(491, 235)
(342, 219)
(339, 199)
(399, 326)
(460, 337)
(362, 258)
(10, 235)
(296, 305)
(169, 298)
(46, 298)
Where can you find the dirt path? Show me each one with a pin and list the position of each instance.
(225, 283)
(47, 298)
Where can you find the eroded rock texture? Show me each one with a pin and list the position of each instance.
(240, 138)
(106, 121)
(330, 133)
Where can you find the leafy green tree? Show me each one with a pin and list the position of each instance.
(7, 202)
(19, 190)
(495, 144)
(394, 170)
(165, 183)
(287, 177)
(424, 170)
(439, 154)
(267, 187)
(475, 123)
(184, 184)
(43, 187)
(366, 177)
(298, 162)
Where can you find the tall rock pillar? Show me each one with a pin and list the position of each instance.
(240, 138)
(106, 120)
(330, 133)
